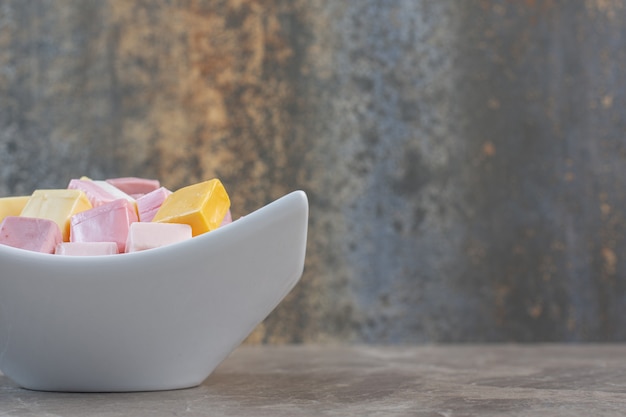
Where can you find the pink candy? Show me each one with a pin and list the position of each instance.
(142, 236)
(106, 223)
(86, 248)
(149, 204)
(133, 185)
(119, 222)
(96, 195)
(39, 235)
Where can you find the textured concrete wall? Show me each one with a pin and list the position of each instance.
(464, 160)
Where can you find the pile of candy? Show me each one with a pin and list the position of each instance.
(118, 215)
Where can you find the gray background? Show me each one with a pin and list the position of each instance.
(464, 160)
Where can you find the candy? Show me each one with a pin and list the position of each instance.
(58, 206)
(116, 192)
(96, 194)
(134, 185)
(12, 206)
(94, 217)
(106, 223)
(202, 206)
(86, 248)
(34, 234)
(100, 192)
(149, 204)
(147, 235)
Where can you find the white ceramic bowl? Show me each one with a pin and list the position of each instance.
(153, 320)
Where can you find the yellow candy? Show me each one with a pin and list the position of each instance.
(12, 206)
(202, 206)
(58, 206)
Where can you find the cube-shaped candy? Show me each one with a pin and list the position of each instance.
(58, 206)
(96, 194)
(134, 185)
(150, 203)
(116, 192)
(86, 248)
(12, 206)
(149, 235)
(202, 206)
(106, 223)
(39, 235)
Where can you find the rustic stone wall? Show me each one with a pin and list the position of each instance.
(464, 161)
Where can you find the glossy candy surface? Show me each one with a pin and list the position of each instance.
(12, 206)
(134, 185)
(86, 248)
(150, 203)
(58, 206)
(202, 206)
(149, 235)
(38, 235)
(106, 223)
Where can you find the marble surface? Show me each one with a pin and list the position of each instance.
(306, 380)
